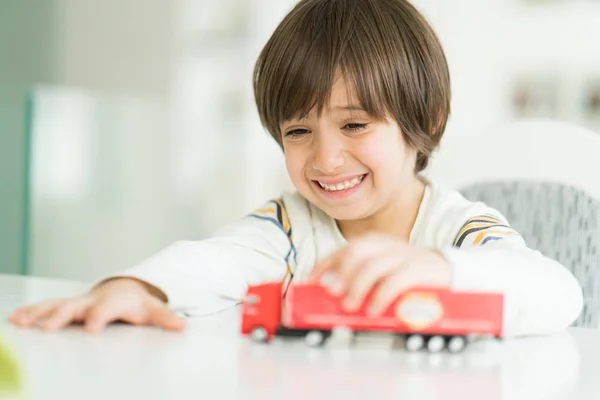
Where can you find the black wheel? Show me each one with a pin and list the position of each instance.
(316, 338)
(436, 343)
(414, 342)
(456, 344)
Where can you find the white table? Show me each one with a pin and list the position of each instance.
(211, 361)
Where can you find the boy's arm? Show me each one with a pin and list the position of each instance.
(541, 295)
(200, 277)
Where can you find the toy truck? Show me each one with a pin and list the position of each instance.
(427, 318)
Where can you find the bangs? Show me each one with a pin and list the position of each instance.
(298, 68)
(312, 72)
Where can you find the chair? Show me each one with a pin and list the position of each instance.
(541, 175)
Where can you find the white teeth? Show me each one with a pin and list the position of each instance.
(342, 185)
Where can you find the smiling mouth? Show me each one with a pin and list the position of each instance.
(340, 186)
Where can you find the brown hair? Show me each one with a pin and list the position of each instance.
(385, 48)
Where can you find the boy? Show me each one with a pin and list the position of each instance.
(357, 94)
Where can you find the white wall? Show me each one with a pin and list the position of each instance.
(113, 45)
(490, 44)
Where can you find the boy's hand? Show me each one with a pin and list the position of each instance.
(123, 299)
(390, 264)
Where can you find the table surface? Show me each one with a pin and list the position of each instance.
(211, 360)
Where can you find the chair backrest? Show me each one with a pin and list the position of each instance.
(542, 176)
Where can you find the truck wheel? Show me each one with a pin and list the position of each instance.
(435, 344)
(414, 342)
(456, 344)
(259, 334)
(316, 338)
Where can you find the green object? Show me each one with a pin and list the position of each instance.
(10, 377)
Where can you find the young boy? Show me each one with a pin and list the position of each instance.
(357, 94)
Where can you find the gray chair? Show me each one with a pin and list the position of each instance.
(560, 221)
(543, 175)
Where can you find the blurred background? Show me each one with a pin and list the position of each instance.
(125, 126)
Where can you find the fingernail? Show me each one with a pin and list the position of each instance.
(336, 288)
(327, 279)
(373, 310)
(333, 284)
(351, 304)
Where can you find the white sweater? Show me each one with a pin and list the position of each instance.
(285, 238)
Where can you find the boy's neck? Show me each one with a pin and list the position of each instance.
(397, 219)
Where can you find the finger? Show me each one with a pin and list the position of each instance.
(64, 314)
(164, 318)
(325, 265)
(341, 267)
(356, 258)
(98, 317)
(363, 255)
(327, 275)
(334, 260)
(368, 277)
(389, 289)
(27, 316)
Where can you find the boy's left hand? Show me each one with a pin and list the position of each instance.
(384, 261)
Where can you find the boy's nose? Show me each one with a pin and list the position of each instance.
(329, 156)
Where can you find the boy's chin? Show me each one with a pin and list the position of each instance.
(350, 211)
(345, 213)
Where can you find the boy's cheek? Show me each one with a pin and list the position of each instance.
(296, 176)
(295, 168)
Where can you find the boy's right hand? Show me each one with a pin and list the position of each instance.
(121, 299)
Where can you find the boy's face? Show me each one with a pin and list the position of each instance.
(345, 162)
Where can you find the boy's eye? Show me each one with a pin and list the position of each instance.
(354, 127)
(297, 133)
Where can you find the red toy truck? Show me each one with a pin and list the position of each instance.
(426, 317)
